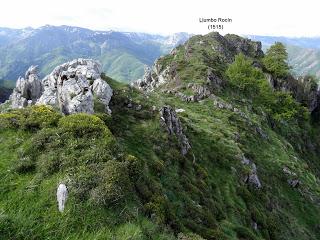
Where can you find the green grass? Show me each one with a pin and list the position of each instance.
(128, 180)
(203, 194)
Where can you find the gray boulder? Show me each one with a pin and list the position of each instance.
(252, 177)
(27, 89)
(75, 86)
(74, 93)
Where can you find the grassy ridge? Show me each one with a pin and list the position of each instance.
(127, 178)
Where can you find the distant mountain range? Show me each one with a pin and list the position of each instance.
(122, 54)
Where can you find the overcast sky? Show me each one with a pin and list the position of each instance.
(264, 17)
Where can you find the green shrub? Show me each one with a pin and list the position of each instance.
(30, 118)
(9, 120)
(135, 167)
(83, 180)
(25, 165)
(46, 139)
(157, 207)
(114, 186)
(243, 76)
(40, 116)
(286, 108)
(84, 125)
(189, 236)
(99, 107)
(48, 163)
(247, 79)
(105, 117)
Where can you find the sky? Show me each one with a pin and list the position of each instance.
(249, 17)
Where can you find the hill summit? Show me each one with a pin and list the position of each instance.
(217, 141)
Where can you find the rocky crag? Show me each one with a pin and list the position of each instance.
(73, 87)
(206, 146)
(176, 73)
(27, 90)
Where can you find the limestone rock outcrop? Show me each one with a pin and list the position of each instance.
(27, 90)
(199, 54)
(156, 76)
(74, 93)
(171, 122)
(252, 177)
(74, 87)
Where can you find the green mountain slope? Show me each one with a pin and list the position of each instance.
(304, 60)
(122, 54)
(128, 178)
(303, 53)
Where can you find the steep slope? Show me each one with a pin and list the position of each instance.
(123, 55)
(304, 60)
(188, 156)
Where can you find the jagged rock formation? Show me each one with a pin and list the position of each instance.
(74, 87)
(171, 122)
(165, 72)
(27, 90)
(155, 77)
(243, 45)
(252, 177)
(62, 195)
(303, 89)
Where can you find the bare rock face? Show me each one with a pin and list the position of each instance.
(156, 76)
(171, 122)
(75, 86)
(27, 89)
(74, 93)
(62, 195)
(252, 177)
(103, 92)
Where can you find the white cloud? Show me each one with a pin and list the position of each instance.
(265, 17)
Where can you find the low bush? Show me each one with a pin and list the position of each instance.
(84, 125)
(114, 186)
(30, 118)
(9, 120)
(40, 116)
